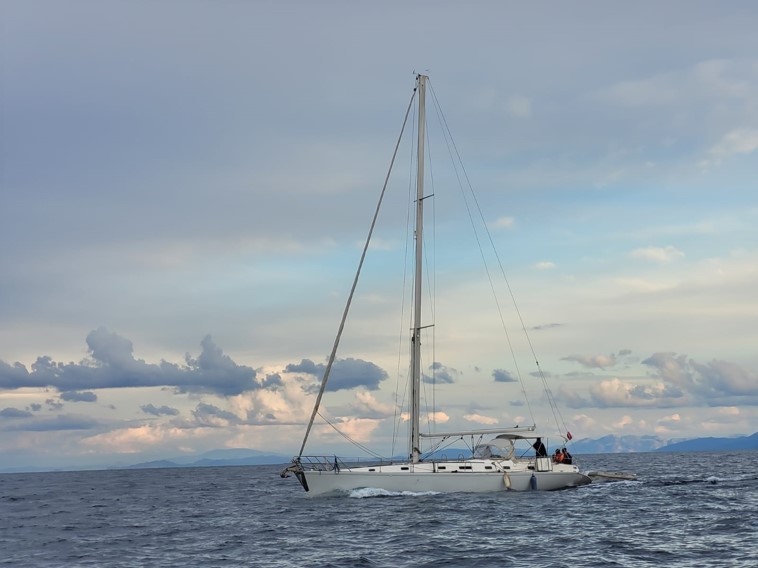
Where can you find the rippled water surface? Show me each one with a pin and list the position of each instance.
(684, 510)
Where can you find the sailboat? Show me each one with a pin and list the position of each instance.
(498, 464)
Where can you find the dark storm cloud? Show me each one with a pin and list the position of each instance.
(441, 374)
(112, 365)
(305, 366)
(271, 381)
(212, 416)
(503, 376)
(14, 413)
(345, 374)
(76, 396)
(159, 410)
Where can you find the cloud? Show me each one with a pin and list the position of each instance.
(734, 142)
(546, 326)
(668, 424)
(480, 419)
(366, 406)
(503, 223)
(76, 396)
(272, 381)
(675, 381)
(345, 373)
(739, 141)
(210, 416)
(133, 439)
(13, 376)
(503, 376)
(622, 422)
(112, 365)
(615, 392)
(518, 106)
(441, 374)
(359, 429)
(438, 417)
(729, 411)
(545, 265)
(657, 254)
(159, 411)
(710, 382)
(47, 424)
(713, 79)
(644, 92)
(593, 361)
(305, 366)
(14, 413)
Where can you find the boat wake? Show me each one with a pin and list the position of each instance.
(710, 480)
(369, 492)
(606, 476)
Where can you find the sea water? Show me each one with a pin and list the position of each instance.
(697, 509)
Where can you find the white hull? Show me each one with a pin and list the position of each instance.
(427, 478)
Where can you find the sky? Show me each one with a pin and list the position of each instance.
(185, 188)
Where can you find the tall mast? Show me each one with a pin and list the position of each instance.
(416, 337)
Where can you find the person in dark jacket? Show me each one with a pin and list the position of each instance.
(539, 448)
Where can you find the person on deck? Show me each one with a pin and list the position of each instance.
(566, 456)
(539, 448)
(558, 456)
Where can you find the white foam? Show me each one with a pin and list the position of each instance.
(366, 492)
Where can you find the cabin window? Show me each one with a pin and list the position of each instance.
(442, 467)
(371, 469)
(487, 467)
(403, 468)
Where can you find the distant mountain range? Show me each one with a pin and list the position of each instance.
(625, 444)
(605, 445)
(714, 444)
(217, 458)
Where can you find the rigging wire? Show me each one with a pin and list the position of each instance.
(349, 439)
(459, 162)
(551, 400)
(333, 354)
(432, 281)
(408, 238)
(431, 288)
